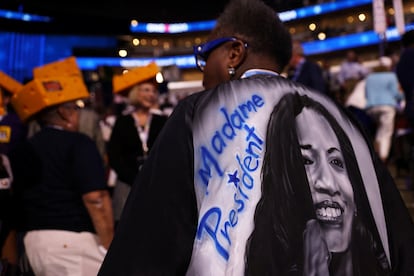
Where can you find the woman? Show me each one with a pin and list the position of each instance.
(133, 133)
(62, 203)
(322, 228)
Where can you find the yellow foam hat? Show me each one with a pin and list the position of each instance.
(41, 93)
(9, 83)
(65, 67)
(135, 76)
(54, 83)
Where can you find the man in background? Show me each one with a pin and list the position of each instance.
(305, 71)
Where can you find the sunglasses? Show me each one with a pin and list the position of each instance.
(202, 51)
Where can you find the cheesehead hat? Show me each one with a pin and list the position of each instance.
(53, 84)
(10, 85)
(135, 76)
(65, 67)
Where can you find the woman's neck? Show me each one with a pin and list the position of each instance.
(142, 115)
(341, 264)
(142, 110)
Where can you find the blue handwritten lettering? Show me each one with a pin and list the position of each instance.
(212, 231)
(227, 128)
(234, 120)
(218, 143)
(252, 134)
(230, 223)
(205, 172)
(248, 164)
(257, 100)
(240, 202)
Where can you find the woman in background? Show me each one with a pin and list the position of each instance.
(134, 132)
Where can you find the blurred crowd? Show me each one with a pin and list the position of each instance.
(66, 168)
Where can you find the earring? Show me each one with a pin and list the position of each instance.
(232, 71)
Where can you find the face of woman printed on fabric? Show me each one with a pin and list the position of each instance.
(330, 186)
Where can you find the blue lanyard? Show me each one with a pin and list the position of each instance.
(254, 72)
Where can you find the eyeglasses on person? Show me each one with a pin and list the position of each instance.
(202, 51)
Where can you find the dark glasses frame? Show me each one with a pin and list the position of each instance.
(202, 51)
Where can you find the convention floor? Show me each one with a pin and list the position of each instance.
(405, 185)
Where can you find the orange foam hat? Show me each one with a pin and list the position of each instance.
(135, 76)
(9, 83)
(64, 67)
(53, 84)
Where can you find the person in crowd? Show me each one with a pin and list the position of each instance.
(325, 214)
(305, 71)
(403, 70)
(351, 68)
(384, 96)
(62, 204)
(192, 207)
(351, 71)
(331, 82)
(12, 133)
(89, 121)
(89, 124)
(133, 133)
(356, 103)
(89, 117)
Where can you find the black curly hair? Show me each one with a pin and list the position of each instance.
(257, 24)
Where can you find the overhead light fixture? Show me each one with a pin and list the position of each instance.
(14, 15)
(122, 53)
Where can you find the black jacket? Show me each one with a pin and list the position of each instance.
(199, 186)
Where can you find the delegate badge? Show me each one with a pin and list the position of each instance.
(5, 134)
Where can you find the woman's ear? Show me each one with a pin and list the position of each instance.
(238, 53)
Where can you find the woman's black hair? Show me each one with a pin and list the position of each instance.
(276, 245)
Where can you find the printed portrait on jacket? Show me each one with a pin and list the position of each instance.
(262, 176)
(314, 213)
(285, 185)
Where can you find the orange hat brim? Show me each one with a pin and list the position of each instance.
(135, 76)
